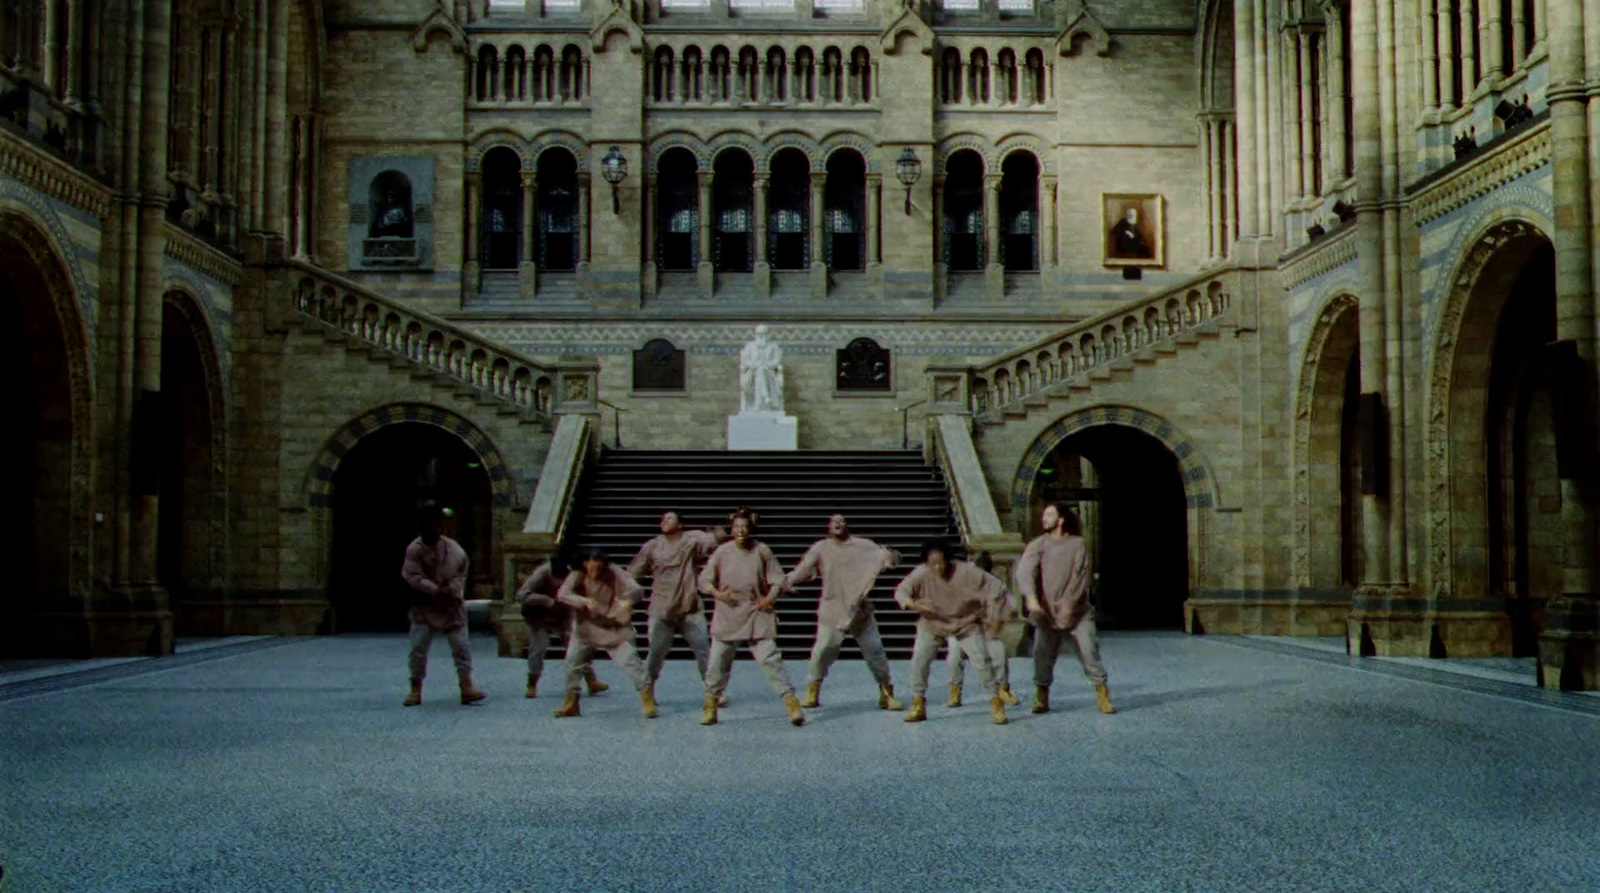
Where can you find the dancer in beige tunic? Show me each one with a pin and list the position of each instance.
(956, 661)
(547, 618)
(436, 570)
(849, 565)
(736, 575)
(958, 601)
(602, 599)
(1053, 575)
(675, 607)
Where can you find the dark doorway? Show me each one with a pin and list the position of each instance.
(732, 186)
(558, 211)
(963, 212)
(1127, 489)
(789, 220)
(376, 491)
(183, 538)
(678, 214)
(502, 209)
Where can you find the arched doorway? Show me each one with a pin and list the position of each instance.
(187, 535)
(1328, 458)
(1128, 488)
(376, 489)
(1503, 500)
(47, 429)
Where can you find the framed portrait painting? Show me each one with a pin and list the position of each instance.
(1133, 231)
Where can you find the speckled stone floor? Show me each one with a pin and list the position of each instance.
(1232, 765)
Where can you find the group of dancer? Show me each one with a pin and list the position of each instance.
(592, 602)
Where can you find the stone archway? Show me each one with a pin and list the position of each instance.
(1151, 465)
(1326, 501)
(362, 492)
(48, 485)
(1461, 528)
(191, 550)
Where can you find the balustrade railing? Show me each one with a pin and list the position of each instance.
(434, 343)
(1101, 340)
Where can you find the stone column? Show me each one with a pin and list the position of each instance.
(1491, 39)
(994, 273)
(1047, 231)
(703, 270)
(584, 204)
(869, 227)
(647, 224)
(469, 271)
(302, 189)
(27, 64)
(1230, 212)
(1244, 105)
(1569, 656)
(1293, 175)
(213, 114)
(819, 269)
(761, 267)
(1519, 35)
(941, 264)
(1333, 99)
(1211, 133)
(52, 49)
(1448, 69)
(277, 80)
(1469, 58)
(528, 270)
(1308, 111)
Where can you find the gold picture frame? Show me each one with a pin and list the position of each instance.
(1137, 241)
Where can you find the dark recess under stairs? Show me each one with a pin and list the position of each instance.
(891, 497)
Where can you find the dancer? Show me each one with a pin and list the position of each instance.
(736, 575)
(675, 607)
(547, 619)
(956, 661)
(1053, 575)
(955, 600)
(436, 570)
(602, 598)
(849, 565)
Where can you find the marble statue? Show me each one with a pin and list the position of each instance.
(761, 375)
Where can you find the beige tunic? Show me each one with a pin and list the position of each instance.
(537, 596)
(1056, 572)
(963, 598)
(848, 570)
(613, 594)
(744, 575)
(673, 591)
(440, 574)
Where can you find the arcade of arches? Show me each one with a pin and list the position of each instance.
(261, 314)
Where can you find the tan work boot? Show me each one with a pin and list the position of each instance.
(886, 699)
(1041, 699)
(1103, 695)
(796, 717)
(997, 707)
(648, 699)
(470, 694)
(533, 686)
(955, 696)
(415, 696)
(722, 700)
(595, 685)
(569, 707)
(1006, 695)
(813, 695)
(919, 709)
(708, 714)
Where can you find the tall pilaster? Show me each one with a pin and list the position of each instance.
(1244, 104)
(528, 269)
(819, 266)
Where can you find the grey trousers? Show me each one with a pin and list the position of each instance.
(624, 656)
(538, 644)
(1047, 644)
(693, 629)
(763, 650)
(927, 648)
(422, 638)
(998, 661)
(826, 649)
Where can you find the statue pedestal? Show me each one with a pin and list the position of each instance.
(763, 431)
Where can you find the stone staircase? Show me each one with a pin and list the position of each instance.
(894, 498)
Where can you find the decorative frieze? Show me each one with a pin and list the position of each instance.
(30, 165)
(1484, 174)
(1320, 258)
(197, 255)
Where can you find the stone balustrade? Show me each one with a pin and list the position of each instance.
(1094, 343)
(541, 389)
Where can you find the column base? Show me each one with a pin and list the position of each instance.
(819, 281)
(1569, 648)
(133, 621)
(527, 281)
(761, 280)
(276, 613)
(994, 282)
(1267, 613)
(471, 280)
(1390, 621)
(706, 279)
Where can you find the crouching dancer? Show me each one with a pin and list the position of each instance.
(601, 598)
(736, 575)
(1053, 575)
(955, 600)
(436, 570)
(998, 658)
(547, 619)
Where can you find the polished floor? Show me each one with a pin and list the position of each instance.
(1250, 765)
